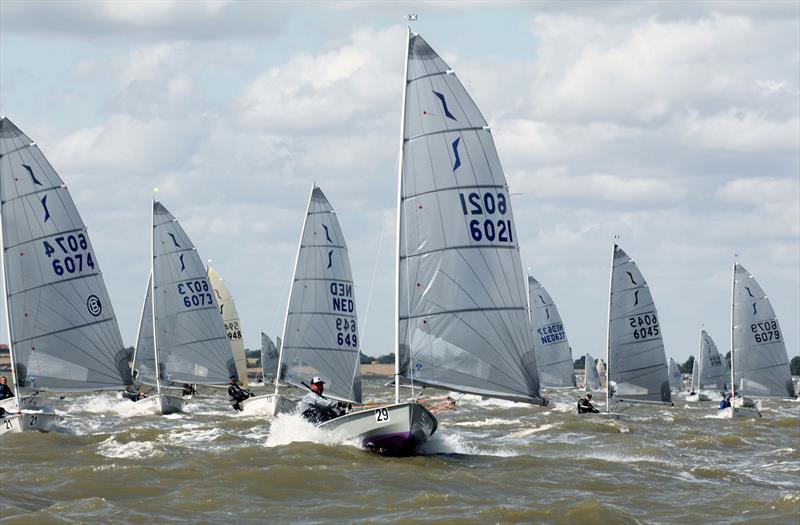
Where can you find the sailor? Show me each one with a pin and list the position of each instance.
(5, 391)
(585, 405)
(188, 390)
(726, 402)
(132, 393)
(315, 407)
(236, 394)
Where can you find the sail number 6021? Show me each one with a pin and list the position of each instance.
(489, 205)
(382, 414)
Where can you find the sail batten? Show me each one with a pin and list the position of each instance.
(462, 304)
(321, 335)
(759, 353)
(636, 358)
(63, 332)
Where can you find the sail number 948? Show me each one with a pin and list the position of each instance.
(489, 205)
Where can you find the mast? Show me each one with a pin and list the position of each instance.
(291, 288)
(733, 291)
(399, 205)
(8, 322)
(153, 295)
(608, 331)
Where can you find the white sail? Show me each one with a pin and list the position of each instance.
(233, 326)
(553, 353)
(144, 358)
(636, 359)
(760, 360)
(192, 345)
(320, 336)
(462, 307)
(711, 374)
(63, 332)
(675, 377)
(695, 375)
(591, 374)
(269, 358)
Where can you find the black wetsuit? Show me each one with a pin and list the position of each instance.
(585, 406)
(6, 392)
(236, 395)
(133, 396)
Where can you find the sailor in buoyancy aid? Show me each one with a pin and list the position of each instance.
(315, 407)
(236, 394)
(585, 405)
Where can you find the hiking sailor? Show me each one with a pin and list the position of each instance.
(315, 407)
(237, 394)
(585, 405)
(5, 391)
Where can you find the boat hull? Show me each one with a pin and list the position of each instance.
(160, 404)
(29, 422)
(269, 405)
(27, 403)
(739, 412)
(393, 430)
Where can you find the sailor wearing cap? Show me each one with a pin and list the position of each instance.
(585, 405)
(314, 406)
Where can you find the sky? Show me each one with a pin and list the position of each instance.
(674, 126)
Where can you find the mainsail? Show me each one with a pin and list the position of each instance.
(675, 377)
(191, 346)
(553, 353)
(591, 375)
(712, 373)
(695, 375)
(144, 358)
(760, 360)
(636, 359)
(233, 326)
(62, 329)
(462, 308)
(320, 335)
(269, 358)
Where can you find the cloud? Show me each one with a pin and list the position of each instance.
(171, 19)
(739, 130)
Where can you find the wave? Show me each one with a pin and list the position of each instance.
(111, 448)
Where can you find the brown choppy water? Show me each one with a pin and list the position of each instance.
(489, 462)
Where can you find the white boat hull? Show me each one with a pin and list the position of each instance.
(737, 412)
(160, 404)
(393, 430)
(269, 405)
(29, 422)
(27, 402)
(694, 398)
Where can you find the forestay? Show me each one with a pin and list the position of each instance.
(63, 332)
(192, 345)
(761, 364)
(233, 327)
(269, 358)
(462, 308)
(591, 374)
(712, 372)
(675, 378)
(553, 353)
(636, 359)
(320, 335)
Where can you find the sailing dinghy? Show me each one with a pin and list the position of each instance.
(708, 370)
(759, 362)
(233, 326)
(553, 353)
(63, 334)
(591, 376)
(182, 338)
(636, 364)
(269, 359)
(675, 377)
